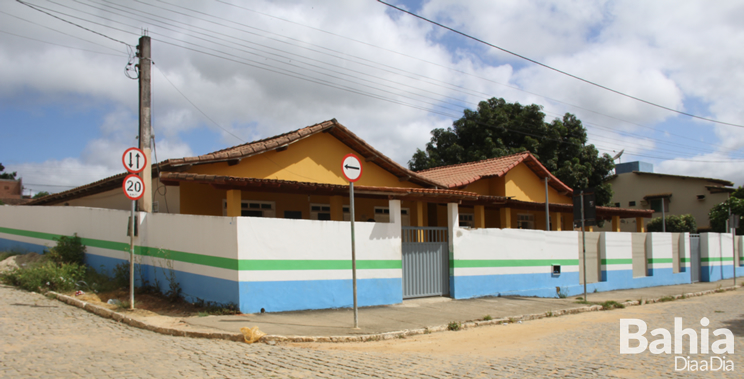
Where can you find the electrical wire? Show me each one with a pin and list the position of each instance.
(71, 23)
(60, 45)
(366, 94)
(560, 71)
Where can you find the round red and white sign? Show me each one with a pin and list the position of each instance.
(351, 167)
(134, 160)
(133, 187)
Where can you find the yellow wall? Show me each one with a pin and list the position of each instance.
(316, 159)
(481, 187)
(521, 183)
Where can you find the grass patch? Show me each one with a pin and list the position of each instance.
(217, 309)
(487, 318)
(549, 314)
(454, 326)
(667, 298)
(46, 275)
(718, 311)
(611, 304)
(719, 289)
(582, 301)
(7, 254)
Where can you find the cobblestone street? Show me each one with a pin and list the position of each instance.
(46, 338)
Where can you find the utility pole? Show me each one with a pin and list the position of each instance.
(145, 118)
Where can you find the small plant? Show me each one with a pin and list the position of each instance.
(667, 298)
(454, 326)
(719, 289)
(68, 250)
(487, 318)
(562, 293)
(174, 287)
(611, 304)
(512, 320)
(549, 314)
(45, 276)
(596, 290)
(580, 300)
(718, 311)
(121, 275)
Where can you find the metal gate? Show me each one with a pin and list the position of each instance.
(695, 257)
(425, 262)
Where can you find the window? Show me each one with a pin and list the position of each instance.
(656, 204)
(701, 197)
(382, 214)
(466, 220)
(297, 215)
(617, 205)
(631, 203)
(253, 208)
(525, 221)
(320, 212)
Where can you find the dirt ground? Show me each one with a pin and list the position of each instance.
(511, 340)
(145, 304)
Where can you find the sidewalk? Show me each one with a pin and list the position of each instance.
(425, 315)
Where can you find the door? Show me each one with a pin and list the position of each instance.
(425, 262)
(695, 257)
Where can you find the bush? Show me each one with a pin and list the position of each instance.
(68, 250)
(45, 276)
(674, 224)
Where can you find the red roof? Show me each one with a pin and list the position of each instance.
(462, 174)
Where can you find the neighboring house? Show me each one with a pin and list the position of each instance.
(636, 186)
(298, 175)
(11, 192)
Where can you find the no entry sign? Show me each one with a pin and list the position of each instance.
(351, 167)
(133, 187)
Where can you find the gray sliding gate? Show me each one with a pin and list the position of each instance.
(425, 262)
(695, 257)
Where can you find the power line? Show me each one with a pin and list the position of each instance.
(557, 70)
(72, 23)
(56, 44)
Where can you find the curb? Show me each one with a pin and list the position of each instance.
(116, 316)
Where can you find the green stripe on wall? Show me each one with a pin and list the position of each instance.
(617, 261)
(315, 264)
(660, 260)
(724, 259)
(470, 263)
(685, 260)
(221, 262)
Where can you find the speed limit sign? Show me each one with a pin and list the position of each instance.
(133, 187)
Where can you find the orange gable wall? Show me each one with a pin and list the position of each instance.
(316, 159)
(520, 183)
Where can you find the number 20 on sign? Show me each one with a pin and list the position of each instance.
(133, 187)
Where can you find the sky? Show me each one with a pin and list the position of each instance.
(229, 72)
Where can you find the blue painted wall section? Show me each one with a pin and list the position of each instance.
(317, 294)
(22, 247)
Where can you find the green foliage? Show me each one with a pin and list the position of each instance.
(611, 304)
(499, 128)
(68, 250)
(720, 213)
(214, 308)
(7, 175)
(121, 275)
(674, 224)
(41, 194)
(46, 275)
(454, 326)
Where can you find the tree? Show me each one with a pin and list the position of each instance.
(499, 128)
(41, 194)
(7, 175)
(720, 213)
(674, 224)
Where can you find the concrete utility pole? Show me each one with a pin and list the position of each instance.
(145, 119)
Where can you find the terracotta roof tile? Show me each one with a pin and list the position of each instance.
(462, 174)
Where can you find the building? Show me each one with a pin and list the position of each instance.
(297, 175)
(11, 191)
(637, 186)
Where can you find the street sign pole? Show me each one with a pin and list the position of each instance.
(583, 242)
(353, 255)
(134, 161)
(351, 168)
(131, 257)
